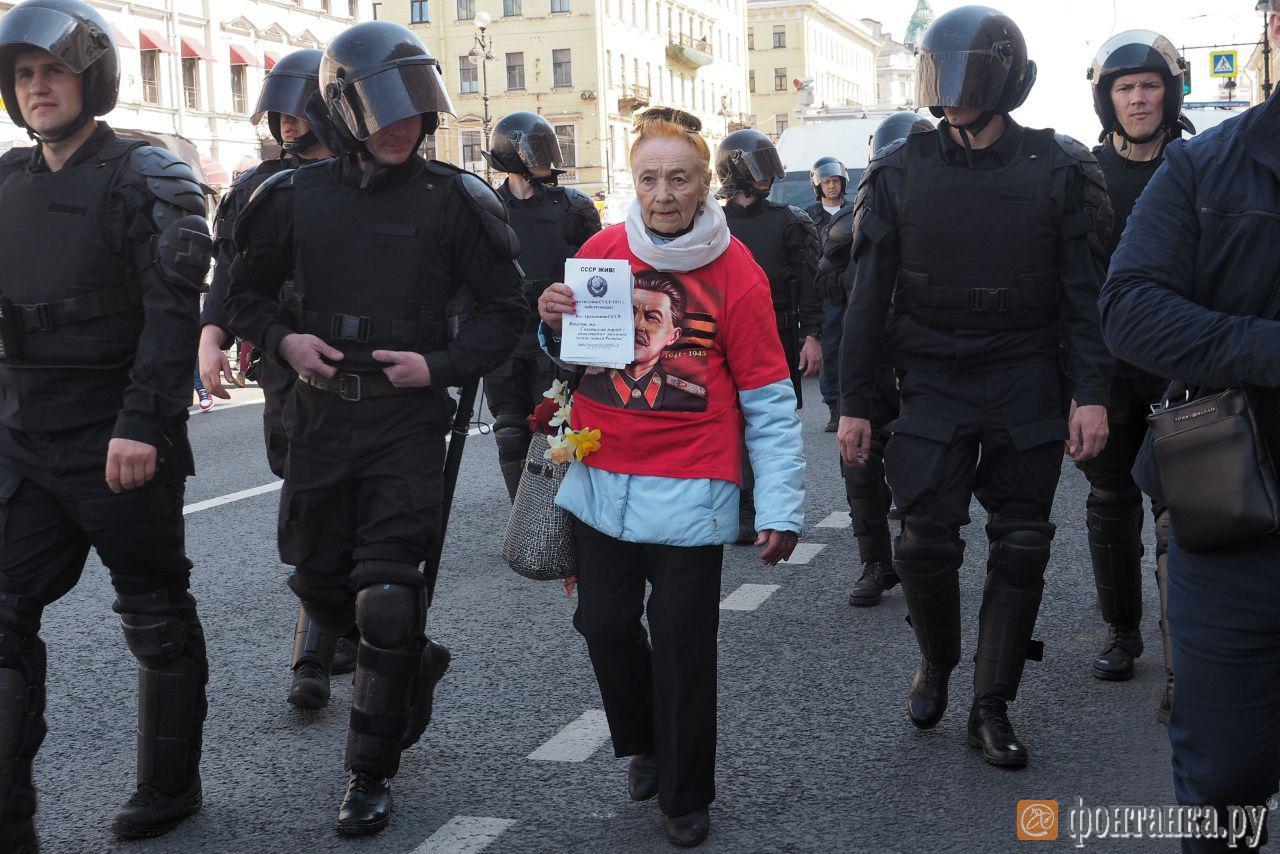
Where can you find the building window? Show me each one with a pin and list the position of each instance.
(327, 5)
(191, 81)
(353, 8)
(418, 13)
(515, 71)
(568, 151)
(781, 124)
(751, 80)
(239, 89)
(150, 76)
(562, 66)
(779, 79)
(511, 8)
(559, 6)
(466, 10)
(780, 36)
(751, 39)
(468, 76)
(472, 142)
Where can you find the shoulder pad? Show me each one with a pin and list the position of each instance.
(578, 200)
(16, 156)
(1095, 197)
(280, 180)
(1075, 148)
(168, 177)
(800, 215)
(885, 153)
(481, 196)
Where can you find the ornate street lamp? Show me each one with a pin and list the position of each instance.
(481, 54)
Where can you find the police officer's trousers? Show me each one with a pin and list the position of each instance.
(512, 392)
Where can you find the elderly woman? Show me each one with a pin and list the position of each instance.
(658, 500)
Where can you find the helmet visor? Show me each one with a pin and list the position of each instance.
(961, 78)
(77, 43)
(761, 165)
(284, 93)
(537, 149)
(412, 87)
(829, 170)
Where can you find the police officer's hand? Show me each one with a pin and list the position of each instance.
(406, 369)
(1088, 432)
(810, 357)
(304, 353)
(214, 364)
(778, 545)
(854, 437)
(556, 301)
(130, 464)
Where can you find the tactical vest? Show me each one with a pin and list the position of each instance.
(979, 246)
(764, 233)
(366, 271)
(73, 299)
(543, 248)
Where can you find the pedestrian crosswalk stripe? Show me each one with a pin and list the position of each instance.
(805, 552)
(577, 741)
(838, 519)
(748, 597)
(230, 497)
(464, 834)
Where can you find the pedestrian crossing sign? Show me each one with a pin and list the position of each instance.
(1224, 63)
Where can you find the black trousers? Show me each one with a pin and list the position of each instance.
(865, 487)
(659, 689)
(276, 381)
(516, 387)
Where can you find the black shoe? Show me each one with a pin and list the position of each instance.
(877, 577)
(833, 424)
(20, 838)
(344, 657)
(310, 689)
(989, 729)
(366, 807)
(927, 702)
(435, 661)
(1115, 664)
(150, 812)
(642, 777)
(689, 830)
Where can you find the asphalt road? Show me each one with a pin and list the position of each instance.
(815, 755)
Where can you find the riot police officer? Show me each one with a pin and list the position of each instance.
(105, 249)
(783, 241)
(1137, 80)
(976, 247)
(867, 491)
(830, 180)
(285, 92)
(377, 243)
(551, 223)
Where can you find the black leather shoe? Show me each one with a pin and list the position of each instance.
(1115, 664)
(642, 777)
(689, 830)
(833, 424)
(927, 702)
(150, 812)
(877, 577)
(344, 657)
(435, 661)
(19, 838)
(310, 688)
(366, 807)
(989, 729)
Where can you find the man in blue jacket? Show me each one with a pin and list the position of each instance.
(1191, 295)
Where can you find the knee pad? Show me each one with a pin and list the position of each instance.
(511, 434)
(1100, 497)
(1019, 558)
(1114, 517)
(391, 616)
(925, 539)
(153, 628)
(329, 600)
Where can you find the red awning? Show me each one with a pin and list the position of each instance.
(151, 40)
(122, 41)
(270, 59)
(193, 49)
(214, 172)
(241, 55)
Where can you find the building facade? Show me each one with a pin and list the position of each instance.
(895, 70)
(807, 56)
(586, 65)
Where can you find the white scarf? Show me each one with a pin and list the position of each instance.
(701, 245)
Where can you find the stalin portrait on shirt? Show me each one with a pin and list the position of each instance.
(661, 308)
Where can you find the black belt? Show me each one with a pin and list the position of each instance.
(355, 387)
(47, 316)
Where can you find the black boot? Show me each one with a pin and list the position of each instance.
(1162, 583)
(344, 657)
(876, 578)
(435, 661)
(1115, 663)
(990, 730)
(642, 777)
(688, 830)
(313, 654)
(928, 564)
(833, 423)
(1115, 549)
(927, 702)
(17, 717)
(511, 435)
(366, 805)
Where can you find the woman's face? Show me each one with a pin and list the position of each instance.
(671, 181)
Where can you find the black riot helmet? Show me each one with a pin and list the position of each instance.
(974, 57)
(898, 126)
(827, 167)
(521, 142)
(285, 91)
(77, 35)
(1133, 52)
(743, 158)
(375, 74)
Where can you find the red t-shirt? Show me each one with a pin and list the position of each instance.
(701, 337)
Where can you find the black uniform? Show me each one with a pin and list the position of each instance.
(103, 264)
(551, 226)
(965, 279)
(375, 263)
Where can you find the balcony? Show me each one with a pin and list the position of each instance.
(689, 52)
(634, 97)
(741, 121)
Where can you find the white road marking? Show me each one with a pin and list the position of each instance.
(220, 406)
(234, 496)
(577, 741)
(805, 552)
(464, 834)
(748, 597)
(838, 519)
